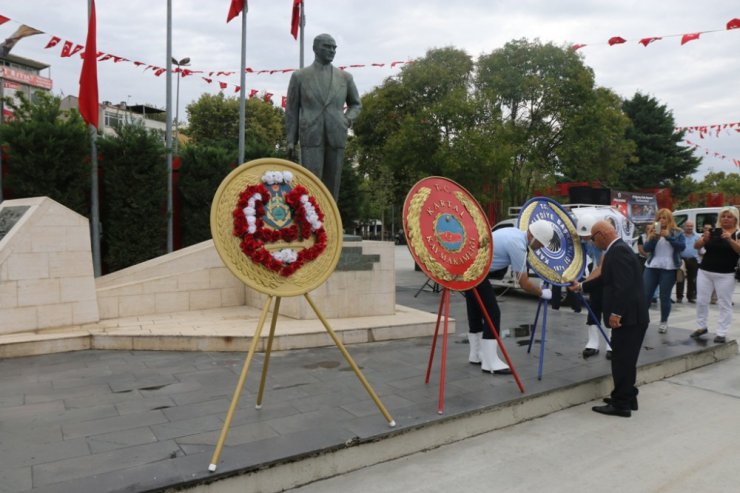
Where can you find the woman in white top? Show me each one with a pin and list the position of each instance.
(664, 246)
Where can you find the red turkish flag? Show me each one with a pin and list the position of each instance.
(689, 37)
(616, 40)
(647, 41)
(253, 93)
(577, 46)
(68, 50)
(4, 19)
(295, 20)
(268, 97)
(235, 9)
(88, 97)
(283, 102)
(222, 85)
(733, 24)
(53, 42)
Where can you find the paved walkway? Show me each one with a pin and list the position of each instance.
(94, 421)
(684, 438)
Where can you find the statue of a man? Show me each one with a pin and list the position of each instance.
(315, 113)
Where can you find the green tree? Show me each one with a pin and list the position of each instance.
(134, 185)
(48, 152)
(202, 170)
(424, 122)
(661, 160)
(728, 184)
(552, 115)
(213, 120)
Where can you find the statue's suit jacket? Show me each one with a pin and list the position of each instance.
(313, 113)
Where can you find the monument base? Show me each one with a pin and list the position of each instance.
(363, 284)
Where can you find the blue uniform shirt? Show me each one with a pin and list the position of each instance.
(509, 249)
(690, 251)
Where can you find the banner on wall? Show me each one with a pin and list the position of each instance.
(640, 208)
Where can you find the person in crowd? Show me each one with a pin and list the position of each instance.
(663, 246)
(625, 311)
(690, 257)
(509, 250)
(717, 273)
(643, 255)
(708, 229)
(592, 251)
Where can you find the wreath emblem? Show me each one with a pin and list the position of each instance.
(300, 216)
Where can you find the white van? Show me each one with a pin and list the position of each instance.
(699, 215)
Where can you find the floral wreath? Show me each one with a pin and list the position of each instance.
(250, 227)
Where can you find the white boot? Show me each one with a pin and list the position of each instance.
(593, 337)
(592, 345)
(489, 358)
(474, 341)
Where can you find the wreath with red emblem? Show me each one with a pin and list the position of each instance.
(250, 227)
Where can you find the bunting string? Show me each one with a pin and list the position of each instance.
(70, 48)
(708, 152)
(711, 130)
(685, 38)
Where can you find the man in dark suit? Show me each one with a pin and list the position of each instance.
(315, 114)
(625, 310)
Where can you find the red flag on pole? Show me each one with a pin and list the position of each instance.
(295, 20)
(88, 97)
(235, 9)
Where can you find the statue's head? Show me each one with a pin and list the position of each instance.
(325, 48)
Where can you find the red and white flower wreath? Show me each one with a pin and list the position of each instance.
(250, 227)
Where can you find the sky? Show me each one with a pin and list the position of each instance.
(697, 81)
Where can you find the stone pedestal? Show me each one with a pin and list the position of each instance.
(46, 273)
(363, 284)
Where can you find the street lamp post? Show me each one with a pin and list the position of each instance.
(185, 62)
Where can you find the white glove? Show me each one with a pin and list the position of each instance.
(546, 294)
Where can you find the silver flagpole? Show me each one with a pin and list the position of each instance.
(302, 24)
(94, 202)
(168, 131)
(2, 111)
(242, 82)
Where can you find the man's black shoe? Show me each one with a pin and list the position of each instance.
(633, 403)
(609, 355)
(720, 339)
(504, 371)
(610, 410)
(588, 352)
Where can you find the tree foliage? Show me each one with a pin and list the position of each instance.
(419, 124)
(134, 186)
(516, 119)
(555, 122)
(213, 120)
(660, 159)
(48, 152)
(202, 170)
